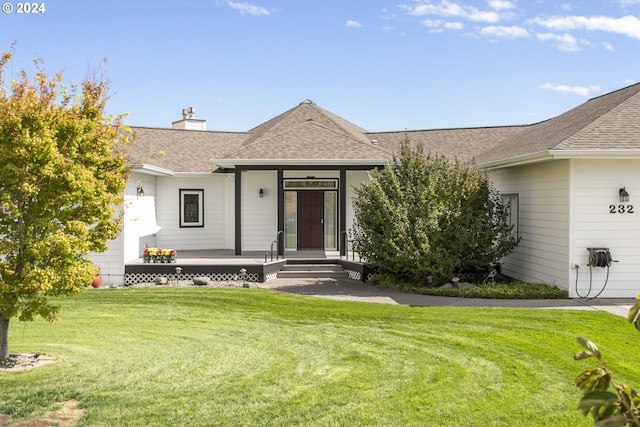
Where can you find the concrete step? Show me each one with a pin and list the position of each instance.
(312, 271)
(312, 275)
(315, 267)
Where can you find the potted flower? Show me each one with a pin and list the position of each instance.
(96, 282)
(167, 255)
(155, 254)
(146, 255)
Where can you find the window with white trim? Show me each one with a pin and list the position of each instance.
(191, 208)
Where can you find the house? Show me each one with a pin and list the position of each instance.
(289, 181)
(575, 180)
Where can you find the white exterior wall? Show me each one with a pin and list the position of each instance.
(543, 253)
(110, 262)
(259, 214)
(595, 188)
(217, 232)
(354, 178)
(138, 220)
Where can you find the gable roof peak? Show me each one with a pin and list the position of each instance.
(307, 101)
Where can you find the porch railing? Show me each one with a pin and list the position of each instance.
(345, 244)
(277, 243)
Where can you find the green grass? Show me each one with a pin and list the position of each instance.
(253, 357)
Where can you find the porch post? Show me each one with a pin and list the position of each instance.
(280, 211)
(343, 211)
(238, 211)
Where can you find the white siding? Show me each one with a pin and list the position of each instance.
(354, 178)
(259, 214)
(217, 227)
(110, 262)
(596, 185)
(543, 191)
(138, 220)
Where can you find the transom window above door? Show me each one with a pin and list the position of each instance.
(310, 184)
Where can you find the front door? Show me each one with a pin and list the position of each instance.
(311, 220)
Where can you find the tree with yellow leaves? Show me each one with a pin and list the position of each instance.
(62, 173)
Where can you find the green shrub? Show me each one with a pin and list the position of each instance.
(423, 217)
(515, 290)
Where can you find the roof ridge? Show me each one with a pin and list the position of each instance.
(452, 129)
(331, 117)
(600, 114)
(614, 91)
(188, 130)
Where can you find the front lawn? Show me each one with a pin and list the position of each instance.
(253, 357)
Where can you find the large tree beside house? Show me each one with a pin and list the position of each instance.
(62, 174)
(425, 218)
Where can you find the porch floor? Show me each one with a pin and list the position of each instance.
(228, 257)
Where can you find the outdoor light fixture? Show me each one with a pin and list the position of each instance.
(624, 196)
(261, 193)
(140, 191)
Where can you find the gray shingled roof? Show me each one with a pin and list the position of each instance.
(461, 144)
(608, 122)
(184, 150)
(309, 133)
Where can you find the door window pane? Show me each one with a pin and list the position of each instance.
(330, 223)
(290, 219)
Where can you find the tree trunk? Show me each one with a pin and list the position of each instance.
(4, 340)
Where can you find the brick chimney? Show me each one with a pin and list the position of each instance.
(189, 122)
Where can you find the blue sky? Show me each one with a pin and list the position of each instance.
(381, 64)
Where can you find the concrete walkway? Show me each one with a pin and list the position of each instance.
(353, 290)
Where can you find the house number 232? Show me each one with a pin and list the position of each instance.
(616, 209)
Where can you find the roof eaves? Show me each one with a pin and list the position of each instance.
(594, 154)
(232, 163)
(517, 161)
(147, 169)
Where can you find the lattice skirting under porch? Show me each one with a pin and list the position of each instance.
(355, 275)
(133, 278)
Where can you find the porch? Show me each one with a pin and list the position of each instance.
(224, 265)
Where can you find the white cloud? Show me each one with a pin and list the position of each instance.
(449, 9)
(354, 24)
(438, 25)
(501, 4)
(565, 42)
(627, 25)
(249, 9)
(576, 90)
(608, 46)
(513, 32)
(454, 25)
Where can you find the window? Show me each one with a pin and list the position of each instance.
(191, 208)
(511, 203)
(310, 184)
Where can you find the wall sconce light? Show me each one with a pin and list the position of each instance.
(624, 196)
(261, 193)
(140, 191)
